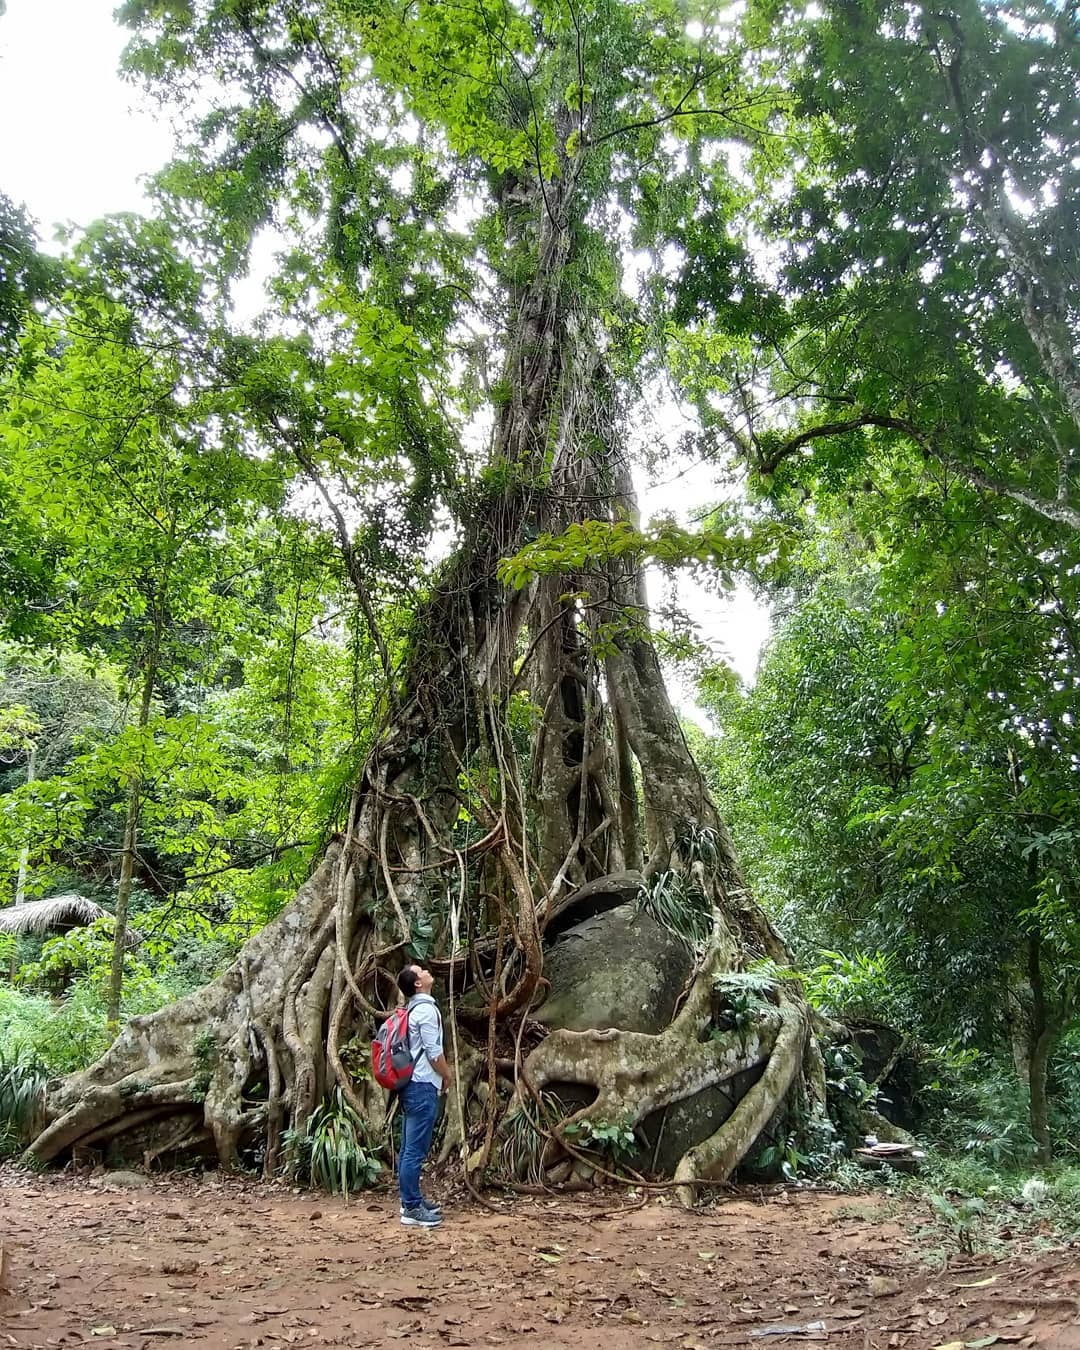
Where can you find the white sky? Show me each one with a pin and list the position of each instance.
(77, 140)
(74, 141)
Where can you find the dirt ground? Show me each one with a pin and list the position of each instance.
(219, 1263)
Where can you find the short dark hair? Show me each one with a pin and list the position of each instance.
(406, 981)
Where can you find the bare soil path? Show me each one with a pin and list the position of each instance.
(220, 1263)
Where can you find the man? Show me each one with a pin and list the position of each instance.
(419, 1096)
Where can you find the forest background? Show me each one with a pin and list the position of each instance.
(860, 305)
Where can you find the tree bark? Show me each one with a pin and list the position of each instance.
(1040, 1044)
(24, 852)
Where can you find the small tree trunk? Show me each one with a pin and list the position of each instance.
(1040, 1044)
(24, 852)
(131, 823)
(1040, 1123)
(24, 857)
(123, 897)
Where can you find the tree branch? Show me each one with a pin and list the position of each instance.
(1053, 509)
(786, 449)
(679, 110)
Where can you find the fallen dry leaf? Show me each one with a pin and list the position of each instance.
(405, 1329)
(1022, 1318)
(813, 1331)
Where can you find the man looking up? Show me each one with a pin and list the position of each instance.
(419, 1095)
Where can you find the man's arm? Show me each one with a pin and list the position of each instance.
(441, 1067)
(429, 1025)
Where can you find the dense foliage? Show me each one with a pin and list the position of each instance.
(854, 233)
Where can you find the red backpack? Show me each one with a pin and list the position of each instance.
(391, 1062)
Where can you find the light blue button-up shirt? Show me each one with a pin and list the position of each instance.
(426, 1036)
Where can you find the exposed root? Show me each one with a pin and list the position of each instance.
(206, 1050)
(635, 1074)
(717, 1157)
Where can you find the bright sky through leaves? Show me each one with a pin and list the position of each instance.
(77, 142)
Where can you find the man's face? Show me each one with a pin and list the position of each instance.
(424, 979)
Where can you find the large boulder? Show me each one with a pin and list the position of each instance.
(889, 1058)
(618, 968)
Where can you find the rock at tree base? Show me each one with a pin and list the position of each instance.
(879, 1045)
(620, 968)
(616, 969)
(674, 1129)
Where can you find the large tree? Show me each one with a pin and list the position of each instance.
(458, 187)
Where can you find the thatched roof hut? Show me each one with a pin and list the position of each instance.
(55, 914)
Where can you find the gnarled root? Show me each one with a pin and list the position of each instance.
(256, 1021)
(717, 1157)
(635, 1074)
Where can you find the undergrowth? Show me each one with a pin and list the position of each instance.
(970, 1205)
(67, 1032)
(334, 1152)
(22, 1082)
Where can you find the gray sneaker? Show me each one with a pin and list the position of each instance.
(419, 1216)
(425, 1204)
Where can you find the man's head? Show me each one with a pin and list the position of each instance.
(415, 980)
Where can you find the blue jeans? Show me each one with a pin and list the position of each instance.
(419, 1108)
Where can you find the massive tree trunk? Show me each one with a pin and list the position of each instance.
(445, 827)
